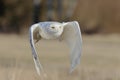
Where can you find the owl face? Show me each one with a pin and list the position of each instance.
(52, 31)
(55, 29)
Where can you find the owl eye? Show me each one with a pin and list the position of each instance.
(53, 27)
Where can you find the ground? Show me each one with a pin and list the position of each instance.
(100, 59)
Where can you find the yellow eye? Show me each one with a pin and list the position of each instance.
(53, 27)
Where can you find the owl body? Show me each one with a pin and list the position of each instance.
(69, 32)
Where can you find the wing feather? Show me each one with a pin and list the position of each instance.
(72, 35)
(33, 31)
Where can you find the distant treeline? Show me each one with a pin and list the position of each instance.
(98, 16)
(13, 14)
(18, 14)
(95, 16)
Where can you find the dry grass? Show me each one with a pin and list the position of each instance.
(100, 59)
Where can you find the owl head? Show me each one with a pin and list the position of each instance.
(56, 29)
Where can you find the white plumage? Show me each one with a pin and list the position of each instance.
(67, 31)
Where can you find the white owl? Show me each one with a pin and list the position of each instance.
(66, 31)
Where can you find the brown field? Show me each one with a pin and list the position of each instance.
(100, 59)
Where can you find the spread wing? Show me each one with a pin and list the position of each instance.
(34, 31)
(72, 35)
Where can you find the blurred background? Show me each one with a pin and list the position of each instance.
(100, 26)
(94, 15)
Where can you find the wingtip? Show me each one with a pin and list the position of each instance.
(71, 70)
(74, 66)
